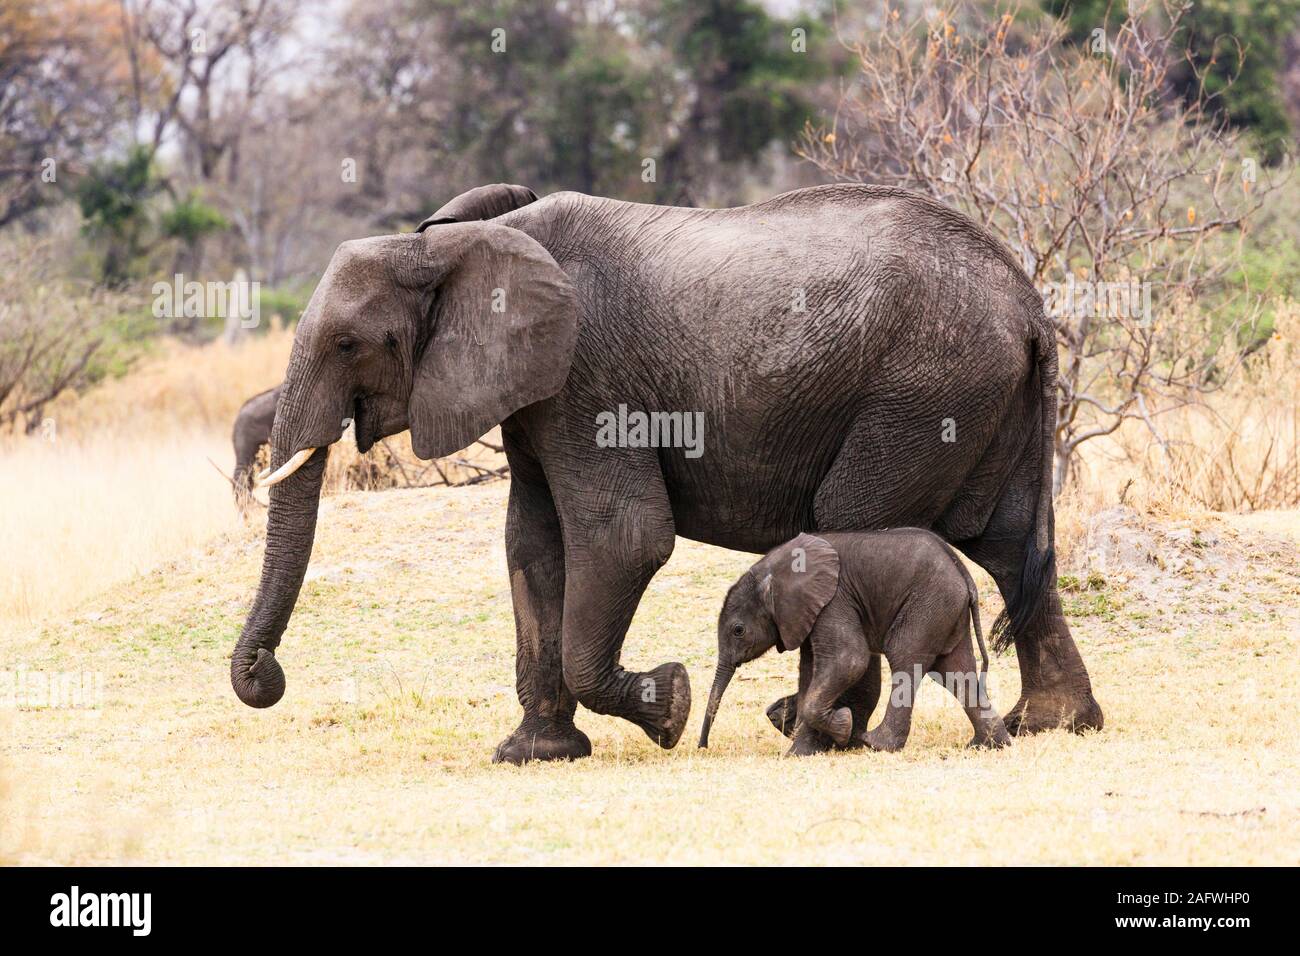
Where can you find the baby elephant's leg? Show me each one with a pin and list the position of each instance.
(958, 672)
(906, 666)
(783, 714)
(834, 672)
(860, 699)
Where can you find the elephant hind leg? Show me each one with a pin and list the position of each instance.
(615, 542)
(1055, 690)
(959, 674)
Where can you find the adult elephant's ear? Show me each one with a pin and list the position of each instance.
(795, 582)
(502, 326)
(482, 202)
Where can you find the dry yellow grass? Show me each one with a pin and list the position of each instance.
(82, 515)
(180, 387)
(400, 666)
(1237, 451)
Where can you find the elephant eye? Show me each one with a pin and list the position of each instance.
(346, 346)
(738, 630)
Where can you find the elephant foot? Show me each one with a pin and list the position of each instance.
(884, 740)
(808, 742)
(841, 726)
(666, 692)
(991, 738)
(784, 714)
(1052, 709)
(543, 740)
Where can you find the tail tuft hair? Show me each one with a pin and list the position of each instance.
(1021, 621)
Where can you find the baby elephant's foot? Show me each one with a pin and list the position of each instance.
(784, 714)
(994, 736)
(840, 727)
(808, 742)
(885, 740)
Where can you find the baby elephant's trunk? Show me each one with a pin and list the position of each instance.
(721, 678)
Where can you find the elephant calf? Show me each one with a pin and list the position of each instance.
(852, 596)
(252, 430)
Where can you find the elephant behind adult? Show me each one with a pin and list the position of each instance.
(251, 431)
(862, 357)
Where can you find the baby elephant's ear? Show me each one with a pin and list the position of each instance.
(796, 581)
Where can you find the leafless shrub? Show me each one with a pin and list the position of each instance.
(51, 331)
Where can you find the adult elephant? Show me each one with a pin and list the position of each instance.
(251, 431)
(862, 357)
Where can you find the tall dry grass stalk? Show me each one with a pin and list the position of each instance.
(1239, 450)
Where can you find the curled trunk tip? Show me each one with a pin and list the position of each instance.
(258, 678)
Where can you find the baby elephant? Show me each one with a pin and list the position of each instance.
(901, 593)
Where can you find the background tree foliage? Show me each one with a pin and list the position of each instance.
(216, 137)
(1236, 53)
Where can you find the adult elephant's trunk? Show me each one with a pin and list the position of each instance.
(255, 674)
(721, 678)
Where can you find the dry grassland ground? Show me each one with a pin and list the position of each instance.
(400, 661)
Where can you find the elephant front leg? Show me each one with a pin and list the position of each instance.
(834, 674)
(535, 557)
(613, 547)
(861, 699)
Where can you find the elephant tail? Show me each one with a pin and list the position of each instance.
(979, 632)
(1021, 621)
(973, 595)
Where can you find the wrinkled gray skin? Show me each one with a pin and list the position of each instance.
(843, 600)
(825, 335)
(252, 430)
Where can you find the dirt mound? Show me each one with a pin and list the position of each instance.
(1205, 563)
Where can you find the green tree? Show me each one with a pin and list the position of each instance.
(748, 75)
(190, 221)
(567, 94)
(113, 198)
(1236, 45)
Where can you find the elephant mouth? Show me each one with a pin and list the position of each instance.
(362, 428)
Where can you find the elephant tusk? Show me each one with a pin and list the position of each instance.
(288, 468)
